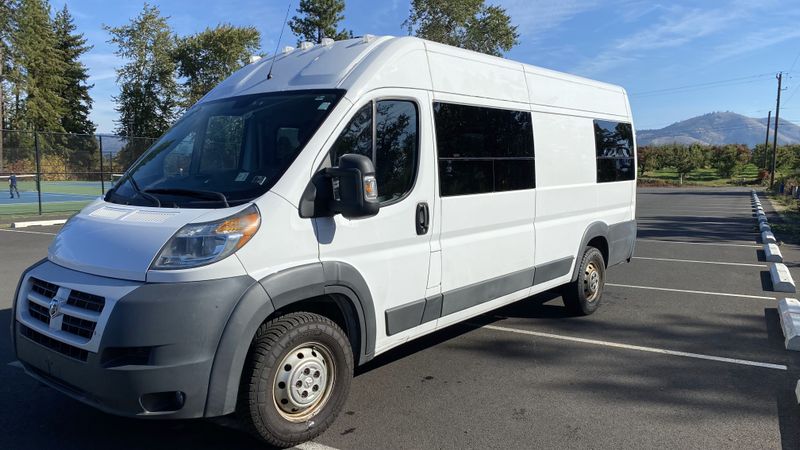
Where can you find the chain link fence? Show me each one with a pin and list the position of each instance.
(59, 173)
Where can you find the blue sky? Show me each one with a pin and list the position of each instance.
(652, 48)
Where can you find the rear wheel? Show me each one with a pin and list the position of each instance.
(296, 378)
(583, 296)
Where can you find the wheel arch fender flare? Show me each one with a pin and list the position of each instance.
(594, 230)
(272, 293)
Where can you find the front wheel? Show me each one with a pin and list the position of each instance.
(582, 296)
(296, 378)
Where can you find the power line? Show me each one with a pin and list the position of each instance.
(795, 61)
(718, 83)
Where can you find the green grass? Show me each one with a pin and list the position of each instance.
(702, 177)
(32, 209)
(788, 229)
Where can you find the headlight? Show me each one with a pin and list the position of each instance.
(204, 243)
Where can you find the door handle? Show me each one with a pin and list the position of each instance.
(423, 218)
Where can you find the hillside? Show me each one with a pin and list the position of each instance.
(719, 128)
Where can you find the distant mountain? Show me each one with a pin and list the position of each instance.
(719, 128)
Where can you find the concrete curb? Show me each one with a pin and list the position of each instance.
(781, 278)
(789, 312)
(767, 237)
(764, 226)
(34, 223)
(773, 253)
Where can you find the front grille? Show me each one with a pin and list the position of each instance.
(49, 290)
(38, 312)
(81, 327)
(83, 300)
(52, 344)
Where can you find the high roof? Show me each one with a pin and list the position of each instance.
(361, 64)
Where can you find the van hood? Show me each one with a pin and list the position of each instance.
(117, 241)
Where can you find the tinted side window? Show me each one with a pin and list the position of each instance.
(614, 146)
(483, 149)
(394, 151)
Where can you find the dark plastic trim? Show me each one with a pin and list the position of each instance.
(404, 317)
(475, 294)
(552, 270)
(595, 229)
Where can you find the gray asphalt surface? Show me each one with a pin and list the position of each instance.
(528, 375)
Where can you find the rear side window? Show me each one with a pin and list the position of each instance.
(483, 149)
(391, 141)
(614, 146)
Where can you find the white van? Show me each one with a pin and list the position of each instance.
(291, 226)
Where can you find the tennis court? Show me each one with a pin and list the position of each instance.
(56, 196)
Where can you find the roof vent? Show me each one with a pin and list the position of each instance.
(367, 38)
(305, 45)
(327, 42)
(288, 49)
(254, 58)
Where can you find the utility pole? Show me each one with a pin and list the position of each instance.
(766, 141)
(775, 136)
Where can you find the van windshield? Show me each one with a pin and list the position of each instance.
(225, 152)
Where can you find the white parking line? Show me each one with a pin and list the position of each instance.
(27, 232)
(686, 291)
(743, 362)
(701, 262)
(313, 446)
(16, 364)
(663, 241)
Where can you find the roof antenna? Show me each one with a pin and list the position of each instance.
(274, 57)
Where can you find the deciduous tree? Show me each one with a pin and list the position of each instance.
(206, 58)
(469, 24)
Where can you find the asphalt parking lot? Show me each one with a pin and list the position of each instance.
(685, 352)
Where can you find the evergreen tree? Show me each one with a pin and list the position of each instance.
(319, 19)
(149, 92)
(206, 58)
(467, 24)
(75, 91)
(39, 66)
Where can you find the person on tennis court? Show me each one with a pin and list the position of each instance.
(12, 185)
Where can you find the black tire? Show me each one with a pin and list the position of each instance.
(582, 297)
(258, 403)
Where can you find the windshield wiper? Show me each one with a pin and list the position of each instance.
(211, 195)
(136, 189)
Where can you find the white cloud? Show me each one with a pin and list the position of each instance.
(678, 26)
(536, 17)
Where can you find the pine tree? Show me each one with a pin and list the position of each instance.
(149, 92)
(319, 19)
(40, 67)
(467, 24)
(206, 58)
(75, 90)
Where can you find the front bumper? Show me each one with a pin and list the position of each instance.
(152, 348)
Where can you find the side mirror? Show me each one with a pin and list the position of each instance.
(349, 189)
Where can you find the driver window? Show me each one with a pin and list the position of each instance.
(395, 149)
(222, 144)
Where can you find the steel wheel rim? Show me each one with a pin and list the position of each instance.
(303, 382)
(591, 282)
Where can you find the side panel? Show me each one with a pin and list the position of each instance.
(569, 199)
(566, 197)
